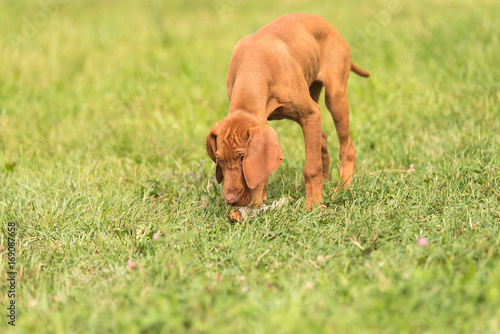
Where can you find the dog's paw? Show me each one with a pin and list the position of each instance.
(311, 205)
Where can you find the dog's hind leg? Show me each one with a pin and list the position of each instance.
(336, 102)
(315, 92)
(325, 157)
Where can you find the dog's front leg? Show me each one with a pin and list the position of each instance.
(260, 195)
(262, 192)
(313, 169)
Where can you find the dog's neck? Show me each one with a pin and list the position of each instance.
(248, 94)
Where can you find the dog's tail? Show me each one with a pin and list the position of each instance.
(359, 71)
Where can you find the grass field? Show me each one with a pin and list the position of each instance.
(105, 107)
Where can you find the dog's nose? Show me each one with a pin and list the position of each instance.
(231, 199)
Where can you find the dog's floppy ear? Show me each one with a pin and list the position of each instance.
(262, 156)
(211, 146)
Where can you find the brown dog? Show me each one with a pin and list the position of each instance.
(278, 73)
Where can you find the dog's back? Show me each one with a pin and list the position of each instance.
(289, 43)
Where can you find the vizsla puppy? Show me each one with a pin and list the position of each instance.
(278, 73)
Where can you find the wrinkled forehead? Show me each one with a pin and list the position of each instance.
(232, 141)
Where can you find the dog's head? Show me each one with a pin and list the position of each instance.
(246, 152)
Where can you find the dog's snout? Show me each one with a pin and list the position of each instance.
(231, 199)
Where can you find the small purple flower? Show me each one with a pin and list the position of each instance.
(423, 241)
(130, 265)
(156, 236)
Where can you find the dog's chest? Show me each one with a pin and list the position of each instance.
(279, 114)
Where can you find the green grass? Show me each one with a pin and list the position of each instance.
(106, 106)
